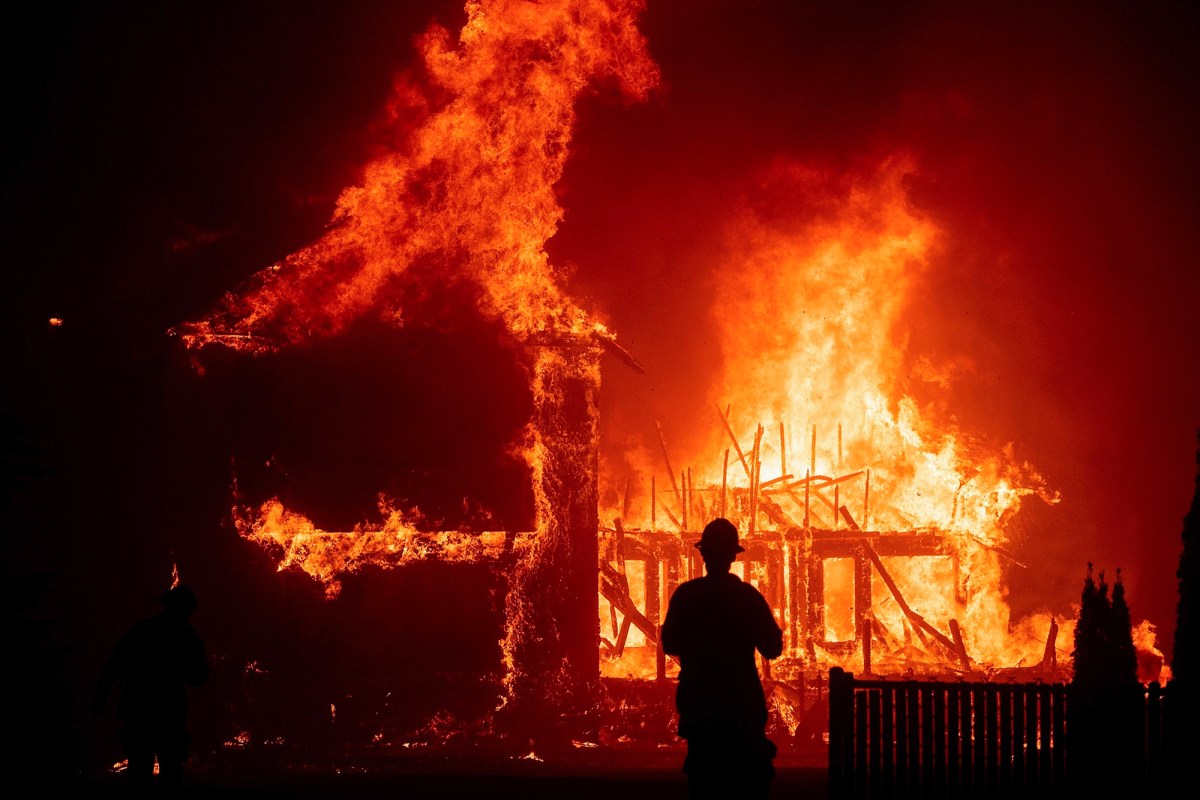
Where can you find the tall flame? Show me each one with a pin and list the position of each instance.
(810, 312)
(819, 274)
(468, 193)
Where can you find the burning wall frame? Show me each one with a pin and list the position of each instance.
(788, 563)
(789, 566)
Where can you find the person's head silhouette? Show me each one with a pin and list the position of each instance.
(179, 601)
(719, 546)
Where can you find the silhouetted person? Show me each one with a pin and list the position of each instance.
(714, 624)
(154, 663)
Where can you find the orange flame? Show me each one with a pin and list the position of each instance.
(812, 336)
(817, 277)
(466, 195)
(326, 555)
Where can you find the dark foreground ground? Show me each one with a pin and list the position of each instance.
(607, 776)
(790, 783)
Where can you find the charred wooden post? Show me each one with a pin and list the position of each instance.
(653, 506)
(622, 636)
(801, 555)
(755, 473)
(729, 430)
(791, 628)
(864, 635)
(812, 463)
(866, 523)
(851, 524)
(689, 491)
(619, 551)
(816, 599)
(670, 472)
(862, 606)
(670, 516)
(837, 486)
(653, 600)
(775, 573)
(807, 510)
(782, 450)
(617, 594)
(959, 646)
(672, 575)
(550, 643)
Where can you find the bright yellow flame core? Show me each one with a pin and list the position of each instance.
(810, 316)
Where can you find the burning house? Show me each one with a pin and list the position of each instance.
(878, 538)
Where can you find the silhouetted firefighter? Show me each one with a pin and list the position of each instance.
(714, 625)
(1106, 707)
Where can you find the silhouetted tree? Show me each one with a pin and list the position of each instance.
(1187, 617)
(1087, 656)
(1104, 655)
(1104, 700)
(1121, 650)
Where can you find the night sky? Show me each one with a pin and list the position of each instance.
(158, 153)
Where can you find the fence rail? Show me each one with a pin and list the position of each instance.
(911, 738)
